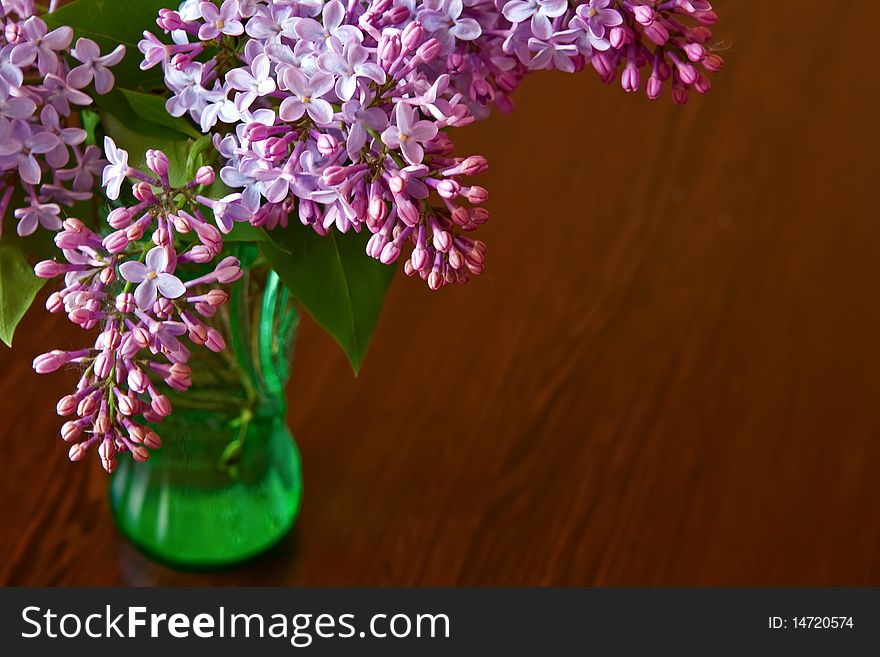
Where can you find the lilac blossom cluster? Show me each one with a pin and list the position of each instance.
(42, 85)
(339, 109)
(131, 285)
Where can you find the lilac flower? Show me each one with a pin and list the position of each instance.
(60, 94)
(42, 214)
(117, 169)
(94, 66)
(444, 17)
(329, 28)
(540, 11)
(407, 134)
(23, 144)
(40, 45)
(153, 278)
(598, 17)
(254, 83)
(59, 155)
(348, 67)
(307, 97)
(15, 108)
(220, 21)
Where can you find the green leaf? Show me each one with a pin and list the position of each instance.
(136, 135)
(152, 108)
(113, 22)
(18, 287)
(332, 277)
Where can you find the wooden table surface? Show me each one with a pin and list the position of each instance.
(668, 376)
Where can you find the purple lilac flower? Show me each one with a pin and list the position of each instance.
(409, 134)
(40, 88)
(94, 66)
(219, 21)
(306, 97)
(148, 308)
(117, 169)
(338, 112)
(152, 277)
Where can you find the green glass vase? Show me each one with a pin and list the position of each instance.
(226, 484)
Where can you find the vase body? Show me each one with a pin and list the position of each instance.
(226, 484)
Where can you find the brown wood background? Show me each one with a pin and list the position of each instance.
(669, 375)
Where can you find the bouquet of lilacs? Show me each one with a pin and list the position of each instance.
(139, 141)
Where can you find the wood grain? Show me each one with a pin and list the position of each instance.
(669, 375)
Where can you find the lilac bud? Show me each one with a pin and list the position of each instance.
(110, 339)
(77, 452)
(157, 162)
(448, 188)
(106, 450)
(657, 33)
(140, 453)
(54, 303)
(389, 46)
(215, 341)
(429, 50)
(66, 405)
(695, 52)
(396, 184)
(161, 237)
(181, 224)
(48, 269)
(137, 380)
(419, 258)
(49, 362)
(389, 254)
(655, 87)
(143, 192)
(205, 176)
(327, 144)
(140, 336)
(125, 302)
(473, 165)
(200, 254)
(116, 242)
(163, 307)
(476, 194)
(181, 373)
(395, 15)
(381, 6)
(442, 240)
(135, 232)
(630, 79)
(335, 175)
(375, 244)
(70, 431)
(87, 405)
(104, 364)
(216, 297)
(198, 334)
(151, 439)
(460, 216)
(408, 212)
(12, 32)
(129, 405)
(161, 406)
(643, 14)
(228, 270)
(119, 218)
(108, 276)
(713, 63)
(412, 36)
